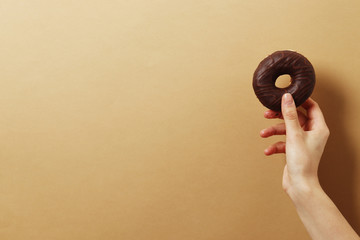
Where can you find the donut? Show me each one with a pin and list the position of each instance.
(279, 63)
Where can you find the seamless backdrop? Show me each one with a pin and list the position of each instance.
(136, 120)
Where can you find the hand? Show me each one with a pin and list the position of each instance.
(306, 137)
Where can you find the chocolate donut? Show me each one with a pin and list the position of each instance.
(279, 63)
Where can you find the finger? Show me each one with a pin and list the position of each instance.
(278, 129)
(290, 115)
(313, 111)
(279, 147)
(270, 114)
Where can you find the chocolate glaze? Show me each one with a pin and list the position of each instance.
(283, 62)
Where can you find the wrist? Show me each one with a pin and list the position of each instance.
(303, 189)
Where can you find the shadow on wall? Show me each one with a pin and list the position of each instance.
(337, 166)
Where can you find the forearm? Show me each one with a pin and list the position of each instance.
(319, 214)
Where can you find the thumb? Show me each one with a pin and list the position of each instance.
(290, 115)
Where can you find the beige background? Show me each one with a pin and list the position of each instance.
(137, 120)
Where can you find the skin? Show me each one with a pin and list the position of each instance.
(306, 137)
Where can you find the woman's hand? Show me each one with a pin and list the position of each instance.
(306, 136)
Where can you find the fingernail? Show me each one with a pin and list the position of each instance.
(266, 151)
(288, 99)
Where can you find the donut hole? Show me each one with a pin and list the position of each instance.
(283, 81)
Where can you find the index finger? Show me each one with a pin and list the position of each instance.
(313, 111)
